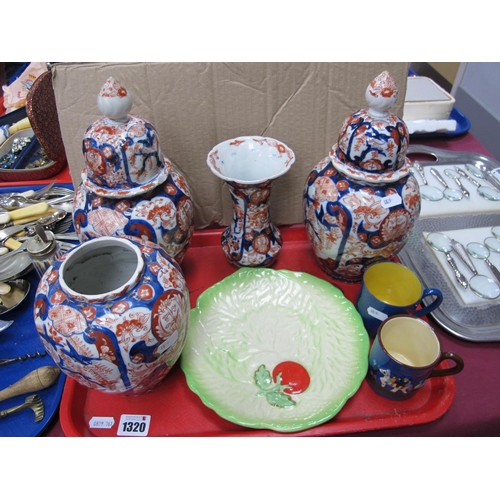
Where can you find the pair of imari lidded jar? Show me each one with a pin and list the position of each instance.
(121, 329)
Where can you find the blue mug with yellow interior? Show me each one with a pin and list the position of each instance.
(389, 288)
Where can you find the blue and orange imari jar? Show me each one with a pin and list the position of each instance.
(128, 187)
(361, 202)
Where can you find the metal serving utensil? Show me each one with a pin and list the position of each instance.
(48, 221)
(34, 195)
(15, 201)
(33, 403)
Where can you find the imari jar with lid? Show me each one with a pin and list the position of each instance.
(361, 202)
(128, 187)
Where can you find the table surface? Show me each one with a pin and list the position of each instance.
(475, 410)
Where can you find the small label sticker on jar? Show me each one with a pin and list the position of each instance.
(101, 422)
(168, 343)
(134, 425)
(391, 200)
(377, 314)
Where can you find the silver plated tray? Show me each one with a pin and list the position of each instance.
(477, 324)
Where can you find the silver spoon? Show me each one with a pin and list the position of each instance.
(479, 251)
(15, 202)
(430, 193)
(456, 177)
(449, 193)
(486, 192)
(442, 243)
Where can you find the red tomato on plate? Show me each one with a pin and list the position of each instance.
(292, 374)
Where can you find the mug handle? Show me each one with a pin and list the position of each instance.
(433, 305)
(459, 365)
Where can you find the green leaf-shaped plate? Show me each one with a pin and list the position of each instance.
(276, 350)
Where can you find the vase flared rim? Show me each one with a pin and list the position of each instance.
(284, 154)
(87, 248)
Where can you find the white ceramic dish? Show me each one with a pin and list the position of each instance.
(258, 323)
(426, 100)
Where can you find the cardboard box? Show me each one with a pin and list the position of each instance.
(194, 106)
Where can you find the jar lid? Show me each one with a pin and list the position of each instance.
(122, 153)
(373, 140)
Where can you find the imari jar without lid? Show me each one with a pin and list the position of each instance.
(128, 186)
(249, 165)
(113, 313)
(361, 202)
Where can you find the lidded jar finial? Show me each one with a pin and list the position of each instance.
(114, 101)
(373, 140)
(381, 94)
(122, 151)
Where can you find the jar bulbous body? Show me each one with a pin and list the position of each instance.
(113, 313)
(163, 215)
(352, 223)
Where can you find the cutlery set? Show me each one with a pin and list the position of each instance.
(50, 208)
(24, 216)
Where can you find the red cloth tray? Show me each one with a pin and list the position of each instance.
(176, 411)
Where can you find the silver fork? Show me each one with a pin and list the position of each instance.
(38, 194)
